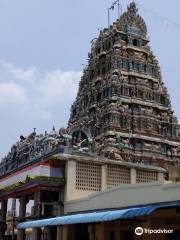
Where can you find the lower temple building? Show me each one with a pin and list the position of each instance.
(117, 214)
(60, 178)
(113, 173)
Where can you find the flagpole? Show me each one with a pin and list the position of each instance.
(119, 7)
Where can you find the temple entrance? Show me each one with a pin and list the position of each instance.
(127, 234)
(9, 237)
(81, 232)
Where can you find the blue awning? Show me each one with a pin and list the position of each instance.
(93, 217)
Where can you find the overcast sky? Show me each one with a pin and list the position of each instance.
(43, 46)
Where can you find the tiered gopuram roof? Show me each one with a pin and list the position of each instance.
(122, 102)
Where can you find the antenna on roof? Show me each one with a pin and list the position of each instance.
(119, 9)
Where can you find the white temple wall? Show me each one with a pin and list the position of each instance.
(84, 177)
(34, 170)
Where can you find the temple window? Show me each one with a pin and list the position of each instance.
(124, 38)
(162, 99)
(130, 108)
(74, 112)
(141, 67)
(133, 65)
(124, 63)
(177, 131)
(120, 63)
(103, 70)
(92, 75)
(104, 47)
(81, 106)
(140, 94)
(139, 144)
(156, 73)
(109, 66)
(148, 95)
(138, 67)
(122, 90)
(139, 124)
(108, 45)
(167, 101)
(156, 97)
(86, 100)
(136, 43)
(126, 91)
(110, 92)
(98, 97)
(144, 67)
(152, 71)
(131, 92)
(105, 93)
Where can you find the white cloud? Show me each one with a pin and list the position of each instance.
(11, 93)
(33, 98)
(9, 71)
(58, 86)
(42, 88)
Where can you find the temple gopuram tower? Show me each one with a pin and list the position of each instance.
(122, 103)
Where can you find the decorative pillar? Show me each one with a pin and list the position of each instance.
(22, 215)
(36, 234)
(91, 232)
(133, 175)
(103, 177)
(3, 219)
(37, 202)
(59, 233)
(70, 180)
(61, 203)
(65, 232)
(47, 232)
(161, 177)
(99, 231)
(13, 209)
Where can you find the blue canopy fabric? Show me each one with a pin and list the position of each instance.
(93, 217)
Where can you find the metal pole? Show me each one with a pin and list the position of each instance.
(108, 17)
(118, 8)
